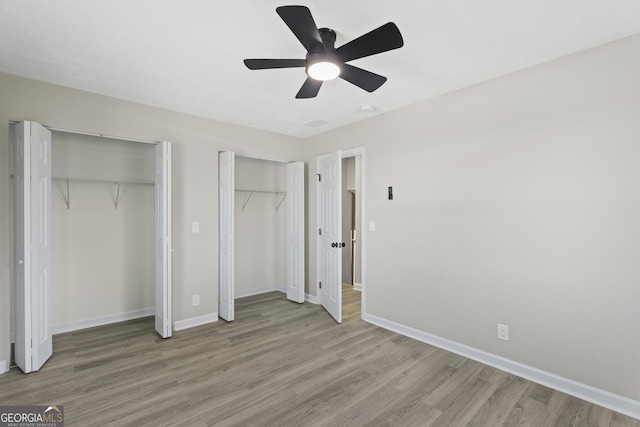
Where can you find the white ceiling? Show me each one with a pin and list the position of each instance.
(187, 55)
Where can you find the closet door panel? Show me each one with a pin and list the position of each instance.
(32, 250)
(295, 232)
(163, 285)
(41, 302)
(226, 236)
(22, 239)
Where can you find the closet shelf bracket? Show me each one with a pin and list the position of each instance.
(284, 196)
(247, 201)
(117, 199)
(67, 199)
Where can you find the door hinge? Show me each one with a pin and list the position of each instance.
(320, 285)
(319, 231)
(319, 177)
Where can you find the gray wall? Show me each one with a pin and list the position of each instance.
(516, 201)
(260, 231)
(102, 258)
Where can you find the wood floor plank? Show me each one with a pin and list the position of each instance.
(283, 364)
(497, 407)
(469, 400)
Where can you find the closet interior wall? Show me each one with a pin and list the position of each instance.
(102, 233)
(260, 226)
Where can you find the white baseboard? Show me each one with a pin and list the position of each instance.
(357, 286)
(310, 298)
(179, 325)
(258, 291)
(104, 320)
(3, 366)
(586, 392)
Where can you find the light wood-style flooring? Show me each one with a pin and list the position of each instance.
(283, 364)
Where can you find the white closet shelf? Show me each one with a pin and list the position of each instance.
(110, 181)
(116, 200)
(251, 193)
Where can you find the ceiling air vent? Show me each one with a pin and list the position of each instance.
(317, 123)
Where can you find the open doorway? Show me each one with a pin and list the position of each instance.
(351, 227)
(351, 253)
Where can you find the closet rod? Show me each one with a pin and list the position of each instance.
(110, 181)
(261, 191)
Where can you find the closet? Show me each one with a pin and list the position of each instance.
(91, 235)
(102, 222)
(261, 229)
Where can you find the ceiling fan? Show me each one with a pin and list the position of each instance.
(325, 62)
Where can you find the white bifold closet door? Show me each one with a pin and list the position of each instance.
(329, 211)
(226, 202)
(163, 284)
(32, 245)
(295, 231)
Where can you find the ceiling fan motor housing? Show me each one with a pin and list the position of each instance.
(328, 37)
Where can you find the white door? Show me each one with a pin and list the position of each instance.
(32, 250)
(295, 231)
(163, 239)
(329, 212)
(226, 253)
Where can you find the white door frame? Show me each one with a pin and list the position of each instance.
(359, 153)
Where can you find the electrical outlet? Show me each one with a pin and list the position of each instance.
(195, 300)
(503, 332)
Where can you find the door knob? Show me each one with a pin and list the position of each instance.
(333, 245)
(344, 244)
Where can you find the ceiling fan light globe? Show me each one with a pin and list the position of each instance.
(323, 70)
